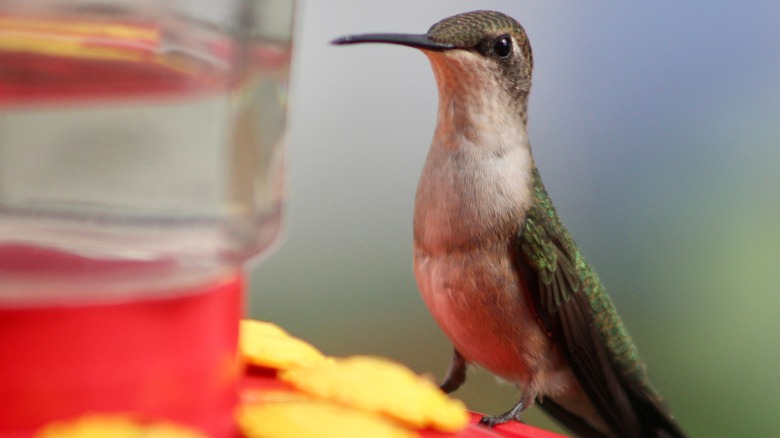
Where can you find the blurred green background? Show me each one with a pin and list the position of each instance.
(657, 131)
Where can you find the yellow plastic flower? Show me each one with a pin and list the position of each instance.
(115, 426)
(274, 396)
(381, 386)
(266, 345)
(320, 419)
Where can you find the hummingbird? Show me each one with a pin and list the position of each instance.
(495, 265)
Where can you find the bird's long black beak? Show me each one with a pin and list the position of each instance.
(417, 41)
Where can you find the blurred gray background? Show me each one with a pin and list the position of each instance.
(656, 129)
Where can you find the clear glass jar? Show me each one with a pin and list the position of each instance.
(141, 166)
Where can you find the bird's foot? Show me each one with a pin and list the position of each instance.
(506, 417)
(456, 374)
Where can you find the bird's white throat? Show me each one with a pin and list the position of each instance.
(477, 175)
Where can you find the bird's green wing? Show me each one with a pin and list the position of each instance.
(579, 317)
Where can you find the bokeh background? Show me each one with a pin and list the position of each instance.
(657, 130)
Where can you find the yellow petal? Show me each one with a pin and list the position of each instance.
(115, 426)
(274, 396)
(379, 385)
(263, 329)
(320, 419)
(266, 345)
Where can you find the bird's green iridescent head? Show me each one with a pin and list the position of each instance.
(482, 31)
(476, 48)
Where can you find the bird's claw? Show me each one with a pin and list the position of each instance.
(495, 420)
(506, 417)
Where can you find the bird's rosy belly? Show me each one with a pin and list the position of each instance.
(477, 299)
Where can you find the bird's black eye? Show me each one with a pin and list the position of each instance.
(503, 46)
